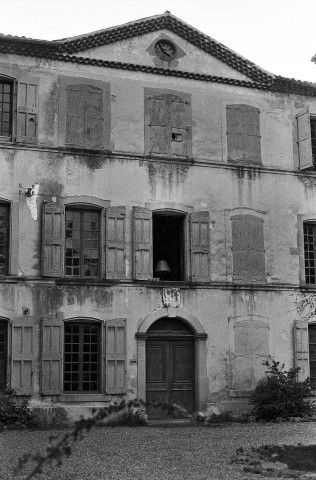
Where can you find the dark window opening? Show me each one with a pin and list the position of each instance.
(82, 358)
(313, 139)
(6, 101)
(82, 249)
(312, 352)
(4, 238)
(309, 252)
(3, 354)
(168, 245)
(176, 137)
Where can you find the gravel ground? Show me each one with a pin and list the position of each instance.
(154, 452)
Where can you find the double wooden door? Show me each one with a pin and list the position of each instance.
(170, 374)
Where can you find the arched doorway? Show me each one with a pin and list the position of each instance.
(170, 365)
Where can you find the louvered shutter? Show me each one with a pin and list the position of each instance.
(93, 117)
(243, 133)
(178, 126)
(115, 356)
(142, 243)
(115, 242)
(304, 140)
(200, 246)
(75, 104)
(248, 249)
(158, 125)
(53, 239)
(301, 357)
(52, 356)
(27, 110)
(23, 356)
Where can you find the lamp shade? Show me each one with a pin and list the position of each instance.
(162, 267)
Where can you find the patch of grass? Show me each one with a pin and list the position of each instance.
(296, 457)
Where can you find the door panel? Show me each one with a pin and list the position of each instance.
(170, 374)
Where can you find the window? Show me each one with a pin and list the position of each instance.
(6, 107)
(309, 252)
(306, 139)
(248, 249)
(4, 238)
(82, 358)
(82, 248)
(3, 353)
(18, 109)
(312, 352)
(81, 241)
(84, 113)
(243, 134)
(167, 123)
(161, 236)
(168, 245)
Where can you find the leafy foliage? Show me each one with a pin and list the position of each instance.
(130, 417)
(280, 394)
(13, 414)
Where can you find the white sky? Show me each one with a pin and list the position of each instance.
(277, 35)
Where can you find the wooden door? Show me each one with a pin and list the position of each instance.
(170, 374)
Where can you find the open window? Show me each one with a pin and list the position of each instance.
(306, 139)
(170, 245)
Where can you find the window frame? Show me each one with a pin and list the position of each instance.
(6, 322)
(309, 218)
(13, 247)
(81, 209)
(83, 323)
(8, 80)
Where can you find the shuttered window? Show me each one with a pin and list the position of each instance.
(248, 249)
(3, 353)
(305, 135)
(301, 359)
(312, 352)
(310, 252)
(243, 134)
(84, 113)
(4, 238)
(163, 249)
(6, 109)
(167, 124)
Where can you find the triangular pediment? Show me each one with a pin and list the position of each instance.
(183, 48)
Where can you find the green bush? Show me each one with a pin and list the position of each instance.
(281, 395)
(55, 417)
(15, 414)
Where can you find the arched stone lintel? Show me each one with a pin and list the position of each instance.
(172, 312)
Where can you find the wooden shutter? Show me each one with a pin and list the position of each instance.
(52, 356)
(115, 356)
(93, 117)
(75, 100)
(142, 243)
(23, 356)
(301, 357)
(304, 140)
(243, 133)
(158, 125)
(53, 239)
(200, 246)
(27, 110)
(178, 126)
(248, 249)
(115, 242)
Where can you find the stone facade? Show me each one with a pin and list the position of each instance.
(106, 125)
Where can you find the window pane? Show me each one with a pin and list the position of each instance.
(309, 252)
(6, 108)
(82, 243)
(82, 369)
(4, 238)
